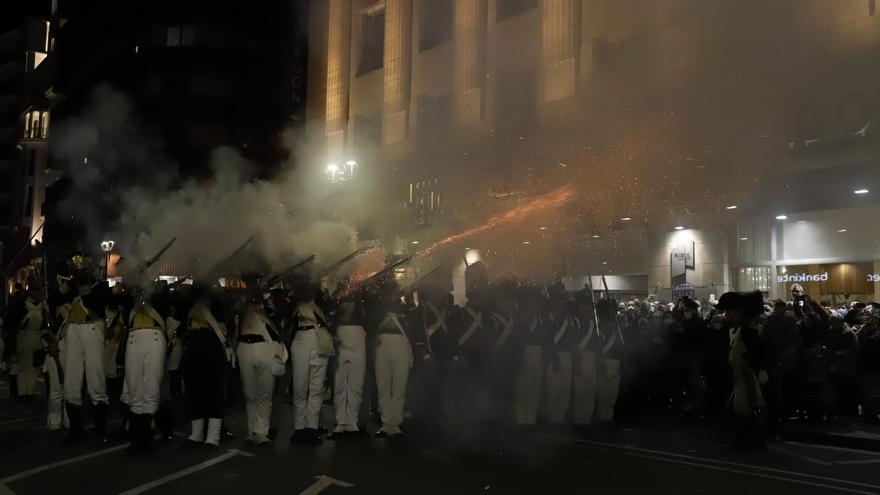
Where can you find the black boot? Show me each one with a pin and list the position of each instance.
(135, 428)
(147, 438)
(125, 431)
(101, 423)
(166, 421)
(74, 417)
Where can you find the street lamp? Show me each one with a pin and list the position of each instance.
(335, 173)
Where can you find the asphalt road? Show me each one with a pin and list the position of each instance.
(33, 461)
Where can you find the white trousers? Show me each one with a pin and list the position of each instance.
(84, 355)
(144, 368)
(56, 417)
(255, 363)
(309, 371)
(351, 362)
(393, 360)
(558, 388)
(529, 385)
(606, 390)
(29, 342)
(583, 378)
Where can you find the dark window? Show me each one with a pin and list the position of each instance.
(517, 97)
(435, 26)
(179, 36)
(368, 131)
(29, 201)
(372, 42)
(31, 162)
(434, 117)
(510, 8)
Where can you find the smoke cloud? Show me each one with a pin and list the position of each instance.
(124, 188)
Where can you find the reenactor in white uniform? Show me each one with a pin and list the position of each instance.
(259, 362)
(394, 358)
(54, 365)
(311, 348)
(84, 352)
(351, 362)
(144, 369)
(557, 374)
(584, 369)
(530, 375)
(30, 341)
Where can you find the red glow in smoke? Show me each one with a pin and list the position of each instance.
(549, 201)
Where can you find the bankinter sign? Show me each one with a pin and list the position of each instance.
(802, 277)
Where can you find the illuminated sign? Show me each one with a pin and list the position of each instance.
(802, 277)
(874, 277)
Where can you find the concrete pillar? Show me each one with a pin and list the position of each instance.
(338, 66)
(469, 71)
(398, 70)
(559, 34)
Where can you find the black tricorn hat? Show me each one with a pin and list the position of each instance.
(750, 303)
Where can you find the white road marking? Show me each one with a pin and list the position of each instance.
(800, 456)
(21, 420)
(717, 461)
(761, 475)
(323, 483)
(832, 447)
(860, 461)
(185, 472)
(53, 465)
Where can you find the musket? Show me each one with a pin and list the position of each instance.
(593, 300)
(155, 259)
(380, 273)
(219, 265)
(616, 322)
(290, 270)
(341, 262)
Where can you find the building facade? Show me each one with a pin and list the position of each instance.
(687, 127)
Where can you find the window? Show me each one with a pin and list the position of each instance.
(372, 42)
(435, 25)
(368, 131)
(36, 124)
(29, 201)
(179, 36)
(517, 96)
(510, 8)
(434, 116)
(173, 36)
(31, 162)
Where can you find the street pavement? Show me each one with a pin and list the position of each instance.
(33, 461)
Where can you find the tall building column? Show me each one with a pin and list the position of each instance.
(398, 70)
(338, 66)
(560, 43)
(469, 72)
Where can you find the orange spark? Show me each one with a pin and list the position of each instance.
(548, 201)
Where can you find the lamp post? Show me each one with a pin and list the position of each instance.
(336, 173)
(107, 246)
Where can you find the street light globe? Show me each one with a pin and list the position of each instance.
(107, 246)
(351, 163)
(332, 168)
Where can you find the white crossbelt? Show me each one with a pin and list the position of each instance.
(610, 344)
(505, 334)
(439, 320)
(476, 324)
(151, 311)
(588, 337)
(33, 311)
(395, 319)
(561, 332)
(534, 325)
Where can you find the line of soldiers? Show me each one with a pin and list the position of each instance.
(508, 357)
